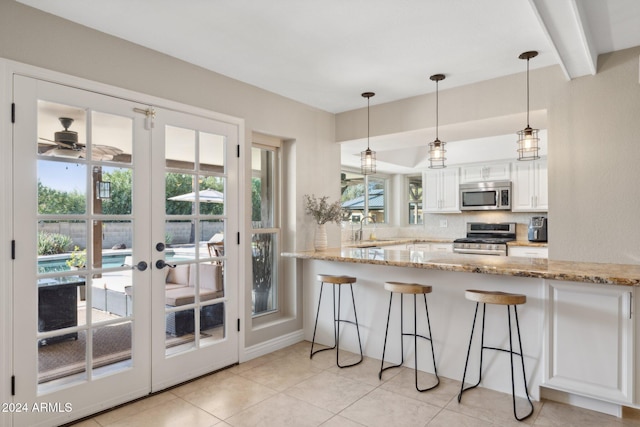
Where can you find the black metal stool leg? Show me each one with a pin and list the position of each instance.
(430, 339)
(313, 340)
(466, 363)
(385, 337)
(337, 322)
(355, 316)
(524, 376)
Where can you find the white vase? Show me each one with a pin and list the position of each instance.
(320, 242)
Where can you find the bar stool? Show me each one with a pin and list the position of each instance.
(415, 289)
(337, 281)
(499, 298)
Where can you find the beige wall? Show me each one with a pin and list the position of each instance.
(594, 148)
(36, 38)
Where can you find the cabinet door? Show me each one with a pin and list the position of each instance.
(431, 192)
(528, 251)
(485, 172)
(441, 247)
(590, 340)
(450, 195)
(522, 197)
(541, 186)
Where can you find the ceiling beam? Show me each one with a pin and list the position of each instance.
(567, 28)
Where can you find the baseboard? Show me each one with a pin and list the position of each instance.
(271, 345)
(609, 408)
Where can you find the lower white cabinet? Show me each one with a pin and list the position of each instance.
(590, 340)
(431, 247)
(528, 251)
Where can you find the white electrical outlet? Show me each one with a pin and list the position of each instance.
(443, 223)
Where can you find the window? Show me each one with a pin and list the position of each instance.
(363, 196)
(414, 194)
(265, 237)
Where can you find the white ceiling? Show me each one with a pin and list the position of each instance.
(326, 53)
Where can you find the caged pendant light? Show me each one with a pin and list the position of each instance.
(528, 141)
(436, 148)
(368, 157)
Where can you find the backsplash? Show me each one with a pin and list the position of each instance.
(456, 225)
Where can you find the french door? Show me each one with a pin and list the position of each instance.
(124, 282)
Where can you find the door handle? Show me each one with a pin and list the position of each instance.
(141, 266)
(160, 264)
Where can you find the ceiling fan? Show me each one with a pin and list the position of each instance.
(65, 144)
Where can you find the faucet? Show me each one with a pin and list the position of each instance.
(359, 232)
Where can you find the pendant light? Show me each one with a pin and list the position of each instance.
(368, 157)
(528, 141)
(436, 148)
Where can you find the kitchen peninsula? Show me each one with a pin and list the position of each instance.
(577, 326)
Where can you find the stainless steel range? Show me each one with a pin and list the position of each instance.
(486, 238)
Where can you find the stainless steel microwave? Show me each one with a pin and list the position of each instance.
(484, 196)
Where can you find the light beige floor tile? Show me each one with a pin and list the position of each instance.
(280, 410)
(250, 364)
(338, 421)
(493, 406)
(327, 359)
(135, 407)
(203, 382)
(329, 391)
(282, 373)
(559, 414)
(229, 396)
(405, 384)
(176, 412)
(383, 408)
(366, 372)
(446, 418)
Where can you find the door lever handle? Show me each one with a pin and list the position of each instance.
(160, 264)
(141, 266)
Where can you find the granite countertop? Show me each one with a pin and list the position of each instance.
(586, 272)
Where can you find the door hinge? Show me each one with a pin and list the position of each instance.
(150, 114)
(238, 237)
(238, 151)
(238, 324)
(13, 385)
(13, 112)
(13, 249)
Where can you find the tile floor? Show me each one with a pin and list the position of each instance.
(285, 388)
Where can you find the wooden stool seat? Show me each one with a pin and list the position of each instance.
(495, 297)
(407, 288)
(336, 280)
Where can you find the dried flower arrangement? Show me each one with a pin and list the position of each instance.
(323, 211)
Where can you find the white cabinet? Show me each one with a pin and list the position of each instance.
(486, 172)
(530, 186)
(431, 247)
(528, 251)
(590, 341)
(441, 191)
(402, 247)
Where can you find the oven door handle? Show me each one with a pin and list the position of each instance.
(479, 251)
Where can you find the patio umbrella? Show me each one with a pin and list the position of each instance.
(206, 196)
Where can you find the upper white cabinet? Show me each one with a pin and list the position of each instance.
(485, 172)
(530, 186)
(441, 190)
(590, 340)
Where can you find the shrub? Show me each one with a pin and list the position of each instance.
(52, 243)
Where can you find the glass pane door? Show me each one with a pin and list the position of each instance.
(195, 201)
(80, 325)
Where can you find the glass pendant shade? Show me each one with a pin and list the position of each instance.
(528, 141)
(436, 154)
(368, 157)
(436, 148)
(368, 162)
